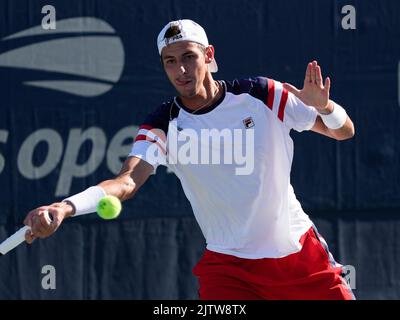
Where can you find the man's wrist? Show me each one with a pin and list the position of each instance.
(336, 119)
(86, 201)
(70, 208)
(328, 108)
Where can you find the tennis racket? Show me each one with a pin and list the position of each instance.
(16, 239)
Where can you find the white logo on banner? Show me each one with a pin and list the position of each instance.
(97, 57)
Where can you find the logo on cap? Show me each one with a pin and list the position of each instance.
(174, 38)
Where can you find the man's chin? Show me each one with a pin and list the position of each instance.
(187, 94)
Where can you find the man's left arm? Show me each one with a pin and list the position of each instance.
(332, 120)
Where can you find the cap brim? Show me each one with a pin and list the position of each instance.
(213, 67)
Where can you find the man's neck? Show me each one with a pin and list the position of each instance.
(208, 94)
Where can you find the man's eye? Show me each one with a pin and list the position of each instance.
(169, 61)
(189, 57)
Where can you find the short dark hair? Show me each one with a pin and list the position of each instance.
(172, 31)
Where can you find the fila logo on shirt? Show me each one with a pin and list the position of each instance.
(248, 123)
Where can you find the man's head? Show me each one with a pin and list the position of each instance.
(186, 55)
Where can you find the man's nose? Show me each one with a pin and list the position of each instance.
(182, 69)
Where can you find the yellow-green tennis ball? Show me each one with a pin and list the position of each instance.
(109, 207)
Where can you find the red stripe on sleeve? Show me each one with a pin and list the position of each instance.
(144, 137)
(146, 127)
(282, 104)
(140, 137)
(271, 93)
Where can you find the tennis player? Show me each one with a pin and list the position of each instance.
(260, 242)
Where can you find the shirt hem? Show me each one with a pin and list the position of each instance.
(251, 256)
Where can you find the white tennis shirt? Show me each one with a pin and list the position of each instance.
(244, 208)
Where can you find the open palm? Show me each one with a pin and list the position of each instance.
(314, 93)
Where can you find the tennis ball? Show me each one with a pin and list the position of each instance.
(109, 207)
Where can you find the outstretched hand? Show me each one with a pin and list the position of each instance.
(41, 225)
(315, 93)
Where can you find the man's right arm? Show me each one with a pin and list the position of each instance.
(148, 151)
(132, 176)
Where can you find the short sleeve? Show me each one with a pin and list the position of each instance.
(290, 110)
(149, 148)
(297, 115)
(150, 141)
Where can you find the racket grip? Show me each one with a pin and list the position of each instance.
(14, 240)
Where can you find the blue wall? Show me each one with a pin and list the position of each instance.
(72, 99)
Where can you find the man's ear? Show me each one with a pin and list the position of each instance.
(209, 54)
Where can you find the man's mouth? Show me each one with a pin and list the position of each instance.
(182, 83)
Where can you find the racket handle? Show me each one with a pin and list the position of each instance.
(14, 240)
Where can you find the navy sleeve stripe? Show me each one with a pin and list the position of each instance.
(270, 92)
(258, 87)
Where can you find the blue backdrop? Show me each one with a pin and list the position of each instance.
(73, 96)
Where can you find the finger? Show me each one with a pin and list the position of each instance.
(52, 215)
(319, 76)
(291, 88)
(40, 232)
(313, 72)
(36, 226)
(45, 219)
(53, 219)
(308, 73)
(44, 227)
(47, 215)
(29, 237)
(327, 84)
(28, 219)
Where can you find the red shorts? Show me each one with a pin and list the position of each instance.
(308, 274)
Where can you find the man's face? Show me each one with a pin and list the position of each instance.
(186, 66)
